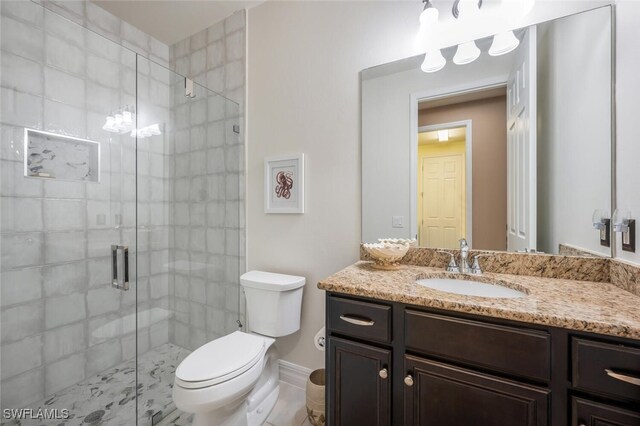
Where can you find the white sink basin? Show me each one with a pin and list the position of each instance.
(471, 288)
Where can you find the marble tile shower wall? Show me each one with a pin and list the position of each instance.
(209, 185)
(60, 320)
(88, 15)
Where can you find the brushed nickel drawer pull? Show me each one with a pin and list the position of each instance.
(623, 377)
(356, 321)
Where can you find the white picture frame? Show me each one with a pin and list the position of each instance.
(284, 184)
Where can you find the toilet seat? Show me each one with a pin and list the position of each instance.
(220, 360)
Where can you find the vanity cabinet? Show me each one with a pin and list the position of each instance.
(361, 383)
(441, 394)
(360, 378)
(397, 364)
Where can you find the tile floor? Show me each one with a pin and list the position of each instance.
(109, 397)
(290, 410)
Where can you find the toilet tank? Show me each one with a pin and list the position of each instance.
(274, 302)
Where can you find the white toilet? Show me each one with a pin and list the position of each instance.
(234, 380)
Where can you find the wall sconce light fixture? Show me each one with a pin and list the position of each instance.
(623, 223)
(467, 52)
(121, 121)
(145, 132)
(602, 223)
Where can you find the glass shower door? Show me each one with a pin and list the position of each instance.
(102, 154)
(68, 193)
(189, 203)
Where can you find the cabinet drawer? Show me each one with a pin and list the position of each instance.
(520, 352)
(606, 368)
(585, 412)
(369, 321)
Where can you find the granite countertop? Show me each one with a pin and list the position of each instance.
(593, 307)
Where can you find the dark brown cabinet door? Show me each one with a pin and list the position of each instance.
(359, 384)
(440, 394)
(589, 413)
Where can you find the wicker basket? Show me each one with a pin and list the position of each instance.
(315, 397)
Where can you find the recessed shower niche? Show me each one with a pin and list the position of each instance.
(52, 156)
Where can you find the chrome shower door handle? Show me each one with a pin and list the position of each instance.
(120, 267)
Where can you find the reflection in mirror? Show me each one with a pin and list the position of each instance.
(511, 152)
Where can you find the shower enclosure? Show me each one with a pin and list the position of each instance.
(120, 224)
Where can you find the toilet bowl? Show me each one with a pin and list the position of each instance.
(233, 380)
(215, 380)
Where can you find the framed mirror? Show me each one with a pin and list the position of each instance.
(511, 151)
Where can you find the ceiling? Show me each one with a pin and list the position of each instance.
(174, 20)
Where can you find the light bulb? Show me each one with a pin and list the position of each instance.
(599, 217)
(154, 129)
(443, 135)
(433, 61)
(621, 219)
(466, 9)
(127, 117)
(109, 125)
(503, 43)
(118, 122)
(466, 53)
(127, 122)
(429, 15)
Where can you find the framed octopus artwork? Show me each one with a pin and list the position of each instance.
(284, 184)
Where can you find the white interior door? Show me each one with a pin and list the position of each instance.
(442, 203)
(521, 147)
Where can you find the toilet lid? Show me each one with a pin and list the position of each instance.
(220, 360)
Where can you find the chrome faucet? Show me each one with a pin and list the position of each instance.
(464, 254)
(452, 266)
(464, 267)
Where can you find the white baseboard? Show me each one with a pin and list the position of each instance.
(294, 374)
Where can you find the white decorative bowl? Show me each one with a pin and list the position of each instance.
(412, 242)
(386, 256)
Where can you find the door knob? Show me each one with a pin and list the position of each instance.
(408, 380)
(383, 373)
